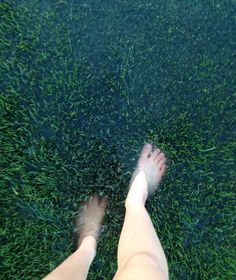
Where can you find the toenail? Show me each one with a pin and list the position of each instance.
(148, 145)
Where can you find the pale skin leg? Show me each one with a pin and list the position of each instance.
(140, 254)
(76, 266)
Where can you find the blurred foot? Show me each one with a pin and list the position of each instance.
(90, 218)
(150, 168)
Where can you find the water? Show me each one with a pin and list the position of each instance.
(90, 82)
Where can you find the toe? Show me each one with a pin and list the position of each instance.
(155, 153)
(104, 202)
(89, 202)
(161, 163)
(159, 157)
(83, 208)
(163, 169)
(146, 150)
(95, 199)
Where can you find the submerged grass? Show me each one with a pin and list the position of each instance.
(83, 86)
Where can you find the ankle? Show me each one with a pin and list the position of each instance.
(138, 191)
(135, 198)
(89, 244)
(129, 204)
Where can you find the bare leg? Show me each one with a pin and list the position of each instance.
(140, 254)
(76, 266)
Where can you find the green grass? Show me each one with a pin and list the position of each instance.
(83, 86)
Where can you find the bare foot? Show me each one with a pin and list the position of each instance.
(153, 162)
(90, 217)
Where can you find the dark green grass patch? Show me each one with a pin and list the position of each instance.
(83, 86)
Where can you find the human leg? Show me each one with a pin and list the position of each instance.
(76, 266)
(140, 254)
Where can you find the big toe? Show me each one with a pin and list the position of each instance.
(92, 201)
(146, 150)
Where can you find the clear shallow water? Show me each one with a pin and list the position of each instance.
(147, 61)
(93, 81)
